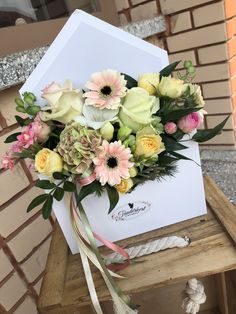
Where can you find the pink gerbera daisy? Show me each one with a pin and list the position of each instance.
(106, 89)
(112, 163)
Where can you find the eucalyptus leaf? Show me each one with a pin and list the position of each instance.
(20, 109)
(87, 190)
(131, 82)
(47, 206)
(19, 102)
(12, 138)
(69, 186)
(206, 135)
(37, 201)
(169, 69)
(113, 196)
(45, 184)
(58, 194)
(32, 110)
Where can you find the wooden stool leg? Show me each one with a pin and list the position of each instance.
(226, 292)
(230, 278)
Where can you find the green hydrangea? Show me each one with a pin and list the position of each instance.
(78, 146)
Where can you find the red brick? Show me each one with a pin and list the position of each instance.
(232, 66)
(232, 47)
(233, 84)
(231, 27)
(230, 8)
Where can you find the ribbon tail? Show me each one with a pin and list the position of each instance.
(90, 282)
(119, 306)
(106, 274)
(79, 238)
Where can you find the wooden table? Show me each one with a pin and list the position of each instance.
(212, 251)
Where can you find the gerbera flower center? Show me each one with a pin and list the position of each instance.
(112, 162)
(106, 90)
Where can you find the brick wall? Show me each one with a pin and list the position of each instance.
(203, 31)
(24, 238)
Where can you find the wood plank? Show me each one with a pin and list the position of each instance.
(53, 282)
(220, 205)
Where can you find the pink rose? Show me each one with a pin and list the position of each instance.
(41, 130)
(170, 127)
(7, 162)
(51, 88)
(190, 122)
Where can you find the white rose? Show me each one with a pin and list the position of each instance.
(64, 102)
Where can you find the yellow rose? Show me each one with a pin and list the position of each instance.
(64, 102)
(148, 143)
(171, 87)
(47, 162)
(149, 81)
(124, 186)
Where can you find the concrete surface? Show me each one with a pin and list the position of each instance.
(221, 166)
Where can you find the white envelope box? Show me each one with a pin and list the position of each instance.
(86, 45)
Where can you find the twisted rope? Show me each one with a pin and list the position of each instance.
(150, 247)
(195, 296)
(194, 288)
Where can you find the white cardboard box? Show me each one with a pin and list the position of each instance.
(86, 45)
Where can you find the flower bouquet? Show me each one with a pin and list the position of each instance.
(109, 136)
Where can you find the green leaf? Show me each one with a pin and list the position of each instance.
(20, 120)
(113, 196)
(169, 69)
(26, 154)
(69, 186)
(37, 201)
(32, 110)
(45, 184)
(131, 82)
(59, 175)
(58, 194)
(206, 135)
(171, 144)
(179, 156)
(87, 190)
(12, 138)
(20, 109)
(47, 206)
(19, 102)
(177, 114)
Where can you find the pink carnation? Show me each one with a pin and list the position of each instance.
(170, 127)
(27, 137)
(190, 122)
(16, 148)
(7, 162)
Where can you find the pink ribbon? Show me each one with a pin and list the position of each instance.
(112, 246)
(87, 180)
